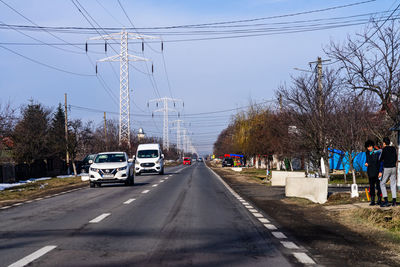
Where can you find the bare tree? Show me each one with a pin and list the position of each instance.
(312, 121)
(371, 64)
(351, 118)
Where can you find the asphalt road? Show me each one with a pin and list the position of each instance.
(185, 217)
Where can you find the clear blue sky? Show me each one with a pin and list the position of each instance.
(208, 75)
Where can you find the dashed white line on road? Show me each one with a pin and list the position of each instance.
(279, 235)
(166, 178)
(248, 206)
(258, 215)
(5, 207)
(100, 218)
(40, 198)
(29, 201)
(35, 255)
(145, 191)
(303, 258)
(129, 201)
(289, 245)
(253, 210)
(162, 181)
(270, 226)
(154, 185)
(263, 220)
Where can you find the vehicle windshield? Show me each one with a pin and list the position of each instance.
(117, 157)
(229, 160)
(88, 157)
(186, 159)
(147, 154)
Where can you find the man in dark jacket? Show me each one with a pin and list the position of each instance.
(374, 167)
(389, 158)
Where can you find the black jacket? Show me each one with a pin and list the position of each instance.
(389, 157)
(374, 165)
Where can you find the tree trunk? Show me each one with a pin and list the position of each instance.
(354, 175)
(74, 167)
(345, 177)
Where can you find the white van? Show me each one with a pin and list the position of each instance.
(149, 158)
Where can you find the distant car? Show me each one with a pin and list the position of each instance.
(85, 165)
(228, 162)
(187, 161)
(111, 167)
(200, 159)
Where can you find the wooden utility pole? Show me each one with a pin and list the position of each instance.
(66, 133)
(105, 130)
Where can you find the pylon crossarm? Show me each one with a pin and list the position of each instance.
(112, 58)
(136, 58)
(140, 36)
(112, 36)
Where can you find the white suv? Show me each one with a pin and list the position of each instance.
(111, 167)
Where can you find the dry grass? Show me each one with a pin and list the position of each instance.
(38, 189)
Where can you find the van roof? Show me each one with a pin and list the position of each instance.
(148, 146)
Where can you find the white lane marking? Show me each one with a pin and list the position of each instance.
(166, 178)
(29, 201)
(289, 245)
(253, 210)
(100, 218)
(258, 215)
(129, 201)
(162, 181)
(40, 198)
(154, 185)
(248, 206)
(303, 258)
(17, 204)
(279, 235)
(145, 191)
(270, 226)
(263, 220)
(35, 255)
(245, 203)
(5, 207)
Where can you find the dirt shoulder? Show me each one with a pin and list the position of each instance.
(335, 237)
(38, 189)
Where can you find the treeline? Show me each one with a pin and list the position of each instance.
(335, 106)
(36, 138)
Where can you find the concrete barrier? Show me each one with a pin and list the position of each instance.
(314, 189)
(279, 177)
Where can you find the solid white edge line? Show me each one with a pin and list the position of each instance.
(17, 204)
(289, 245)
(129, 201)
(100, 218)
(279, 235)
(303, 258)
(31, 257)
(145, 191)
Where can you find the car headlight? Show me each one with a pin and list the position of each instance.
(122, 168)
(94, 169)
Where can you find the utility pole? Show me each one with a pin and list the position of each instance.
(105, 131)
(66, 133)
(123, 58)
(166, 109)
(321, 106)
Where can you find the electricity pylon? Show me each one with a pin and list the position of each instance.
(166, 109)
(178, 133)
(123, 58)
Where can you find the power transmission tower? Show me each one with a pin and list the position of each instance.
(178, 133)
(123, 58)
(166, 109)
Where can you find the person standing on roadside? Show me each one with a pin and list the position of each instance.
(389, 158)
(374, 167)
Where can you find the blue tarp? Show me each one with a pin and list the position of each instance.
(338, 161)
